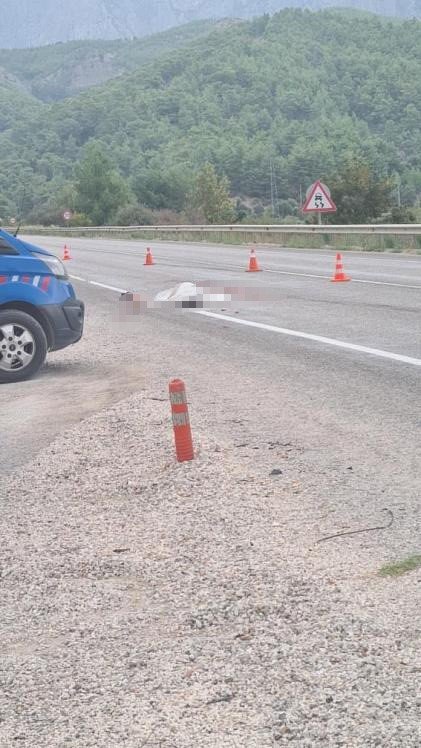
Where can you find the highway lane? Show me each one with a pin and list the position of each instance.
(369, 314)
(345, 403)
(376, 267)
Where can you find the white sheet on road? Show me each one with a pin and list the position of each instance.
(187, 292)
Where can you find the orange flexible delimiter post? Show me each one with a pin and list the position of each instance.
(181, 421)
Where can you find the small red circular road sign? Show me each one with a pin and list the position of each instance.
(67, 215)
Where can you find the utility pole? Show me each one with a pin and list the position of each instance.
(272, 190)
(274, 197)
(397, 179)
(275, 185)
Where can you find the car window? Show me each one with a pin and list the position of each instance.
(6, 249)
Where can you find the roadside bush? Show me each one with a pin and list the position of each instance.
(134, 214)
(166, 217)
(79, 219)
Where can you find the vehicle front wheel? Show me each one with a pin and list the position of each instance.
(23, 346)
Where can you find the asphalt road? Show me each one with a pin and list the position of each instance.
(247, 601)
(330, 355)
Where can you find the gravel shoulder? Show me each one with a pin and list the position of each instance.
(146, 603)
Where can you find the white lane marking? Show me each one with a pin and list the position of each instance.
(354, 280)
(316, 338)
(235, 268)
(101, 285)
(110, 288)
(386, 283)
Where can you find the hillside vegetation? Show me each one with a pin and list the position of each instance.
(14, 102)
(60, 70)
(296, 95)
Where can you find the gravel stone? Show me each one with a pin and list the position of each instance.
(222, 624)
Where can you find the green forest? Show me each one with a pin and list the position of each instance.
(257, 109)
(60, 70)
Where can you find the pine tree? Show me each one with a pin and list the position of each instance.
(100, 188)
(360, 195)
(210, 196)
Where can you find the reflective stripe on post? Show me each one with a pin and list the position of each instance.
(181, 422)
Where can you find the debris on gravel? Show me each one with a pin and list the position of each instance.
(147, 603)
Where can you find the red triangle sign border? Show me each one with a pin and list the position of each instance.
(317, 187)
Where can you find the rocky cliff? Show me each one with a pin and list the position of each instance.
(29, 23)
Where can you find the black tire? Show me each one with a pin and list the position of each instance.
(39, 349)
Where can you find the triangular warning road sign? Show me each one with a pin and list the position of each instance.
(319, 200)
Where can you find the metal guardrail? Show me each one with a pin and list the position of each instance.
(402, 229)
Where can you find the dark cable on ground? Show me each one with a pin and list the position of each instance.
(365, 529)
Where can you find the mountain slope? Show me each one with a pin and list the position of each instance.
(61, 70)
(28, 23)
(15, 103)
(298, 93)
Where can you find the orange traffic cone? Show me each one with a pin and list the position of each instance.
(149, 259)
(66, 253)
(253, 264)
(339, 276)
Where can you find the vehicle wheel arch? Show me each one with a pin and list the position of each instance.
(36, 313)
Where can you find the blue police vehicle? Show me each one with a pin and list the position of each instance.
(39, 311)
